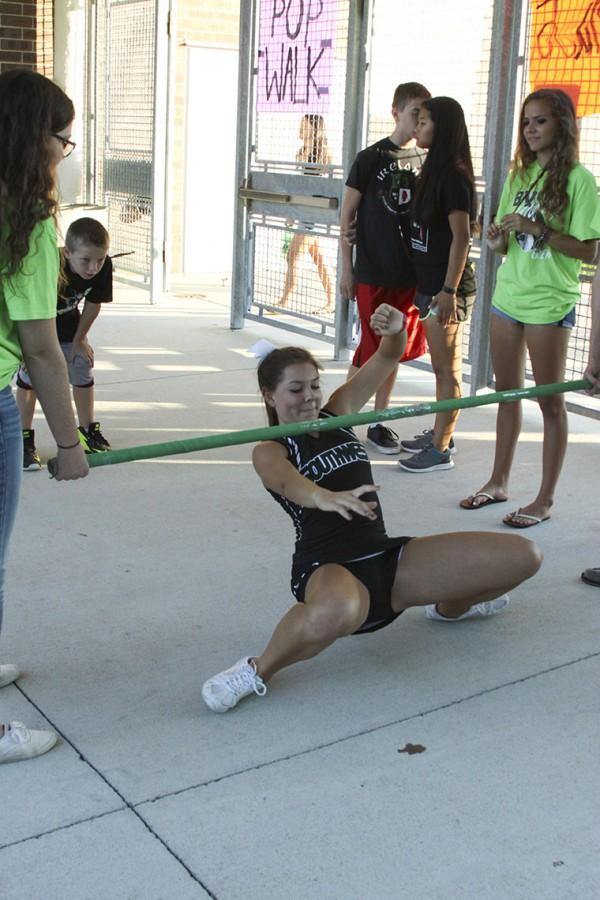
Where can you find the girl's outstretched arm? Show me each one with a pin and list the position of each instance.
(390, 324)
(278, 474)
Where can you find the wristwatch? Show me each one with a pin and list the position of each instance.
(449, 290)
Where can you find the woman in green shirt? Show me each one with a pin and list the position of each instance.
(35, 124)
(548, 222)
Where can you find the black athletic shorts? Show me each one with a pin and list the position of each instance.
(377, 573)
(464, 305)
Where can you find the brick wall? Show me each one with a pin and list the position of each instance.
(26, 35)
(203, 22)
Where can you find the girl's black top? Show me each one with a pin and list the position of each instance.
(338, 461)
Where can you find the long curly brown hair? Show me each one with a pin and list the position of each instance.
(552, 198)
(32, 108)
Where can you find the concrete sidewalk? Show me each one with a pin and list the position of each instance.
(125, 591)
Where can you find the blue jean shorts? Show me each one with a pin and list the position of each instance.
(567, 322)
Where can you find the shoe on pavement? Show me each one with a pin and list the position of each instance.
(422, 442)
(31, 458)
(428, 460)
(481, 610)
(8, 674)
(591, 576)
(92, 439)
(383, 439)
(19, 742)
(225, 690)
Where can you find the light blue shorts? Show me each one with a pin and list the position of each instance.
(567, 322)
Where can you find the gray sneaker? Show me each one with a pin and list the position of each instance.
(428, 460)
(383, 438)
(483, 610)
(19, 742)
(422, 442)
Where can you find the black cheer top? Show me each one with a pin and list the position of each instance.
(337, 461)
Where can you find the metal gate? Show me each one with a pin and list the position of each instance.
(125, 100)
(479, 51)
(299, 114)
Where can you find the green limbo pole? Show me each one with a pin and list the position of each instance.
(253, 435)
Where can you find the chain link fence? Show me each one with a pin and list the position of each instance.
(125, 53)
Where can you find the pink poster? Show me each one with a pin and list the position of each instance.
(295, 55)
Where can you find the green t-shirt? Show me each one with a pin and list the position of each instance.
(536, 284)
(30, 294)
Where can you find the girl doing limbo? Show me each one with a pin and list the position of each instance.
(347, 574)
(548, 221)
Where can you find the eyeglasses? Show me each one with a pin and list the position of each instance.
(68, 146)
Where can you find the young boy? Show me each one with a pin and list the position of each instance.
(378, 193)
(87, 274)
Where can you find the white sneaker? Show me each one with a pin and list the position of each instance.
(8, 674)
(487, 608)
(19, 742)
(225, 690)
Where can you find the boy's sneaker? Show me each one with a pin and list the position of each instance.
(92, 439)
(423, 442)
(383, 438)
(225, 690)
(31, 458)
(19, 742)
(428, 460)
(487, 608)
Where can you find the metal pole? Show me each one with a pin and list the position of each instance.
(159, 147)
(502, 90)
(354, 108)
(240, 270)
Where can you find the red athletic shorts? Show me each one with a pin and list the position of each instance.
(368, 298)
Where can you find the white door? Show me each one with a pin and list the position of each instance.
(210, 188)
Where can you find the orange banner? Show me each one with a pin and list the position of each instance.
(564, 41)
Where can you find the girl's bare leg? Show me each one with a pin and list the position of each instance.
(547, 346)
(508, 359)
(459, 569)
(296, 248)
(445, 346)
(317, 257)
(336, 604)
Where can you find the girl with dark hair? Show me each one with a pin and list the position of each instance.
(35, 124)
(548, 221)
(348, 576)
(443, 210)
(314, 153)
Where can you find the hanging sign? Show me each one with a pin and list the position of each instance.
(564, 42)
(295, 55)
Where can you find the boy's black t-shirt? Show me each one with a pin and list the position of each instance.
(97, 290)
(385, 176)
(431, 244)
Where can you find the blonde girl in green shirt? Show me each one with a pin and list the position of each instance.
(548, 222)
(35, 124)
